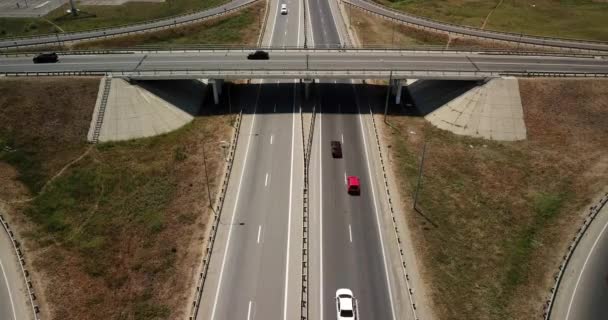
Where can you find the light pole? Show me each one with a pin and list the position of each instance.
(206, 175)
(419, 182)
(388, 90)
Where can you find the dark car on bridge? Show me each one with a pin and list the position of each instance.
(258, 55)
(47, 57)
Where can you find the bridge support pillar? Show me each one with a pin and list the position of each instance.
(307, 83)
(396, 89)
(216, 84)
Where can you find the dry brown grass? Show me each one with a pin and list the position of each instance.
(238, 28)
(498, 216)
(373, 30)
(376, 31)
(120, 234)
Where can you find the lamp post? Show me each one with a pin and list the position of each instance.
(388, 90)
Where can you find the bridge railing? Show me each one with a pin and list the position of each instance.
(306, 73)
(333, 48)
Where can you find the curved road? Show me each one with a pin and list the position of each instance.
(513, 37)
(113, 31)
(14, 302)
(583, 291)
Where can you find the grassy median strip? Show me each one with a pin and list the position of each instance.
(119, 233)
(584, 19)
(496, 217)
(100, 16)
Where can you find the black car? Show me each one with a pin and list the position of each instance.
(46, 58)
(336, 149)
(258, 55)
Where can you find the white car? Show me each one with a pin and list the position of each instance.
(283, 9)
(346, 305)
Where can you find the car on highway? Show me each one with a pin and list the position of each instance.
(346, 305)
(283, 9)
(258, 55)
(47, 57)
(353, 185)
(336, 149)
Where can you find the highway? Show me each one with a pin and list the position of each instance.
(347, 246)
(255, 267)
(513, 37)
(302, 62)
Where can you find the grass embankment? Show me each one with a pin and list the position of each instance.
(584, 19)
(92, 17)
(118, 235)
(499, 216)
(241, 27)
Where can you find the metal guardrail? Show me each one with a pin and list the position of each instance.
(171, 22)
(593, 212)
(410, 292)
(216, 218)
(20, 256)
(303, 73)
(489, 34)
(306, 143)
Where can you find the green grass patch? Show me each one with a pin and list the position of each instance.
(92, 17)
(584, 19)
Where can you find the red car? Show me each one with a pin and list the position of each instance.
(353, 185)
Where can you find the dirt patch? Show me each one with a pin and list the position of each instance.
(496, 218)
(119, 234)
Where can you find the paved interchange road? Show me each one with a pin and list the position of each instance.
(255, 273)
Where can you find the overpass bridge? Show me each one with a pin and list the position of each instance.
(312, 64)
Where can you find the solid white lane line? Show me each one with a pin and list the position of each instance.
(271, 136)
(8, 288)
(342, 138)
(249, 311)
(371, 182)
(345, 181)
(259, 232)
(583, 270)
(320, 213)
(266, 181)
(350, 233)
(238, 193)
(293, 136)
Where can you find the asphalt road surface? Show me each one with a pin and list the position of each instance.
(350, 242)
(255, 269)
(332, 61)
(583, 291)
(347, 246)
